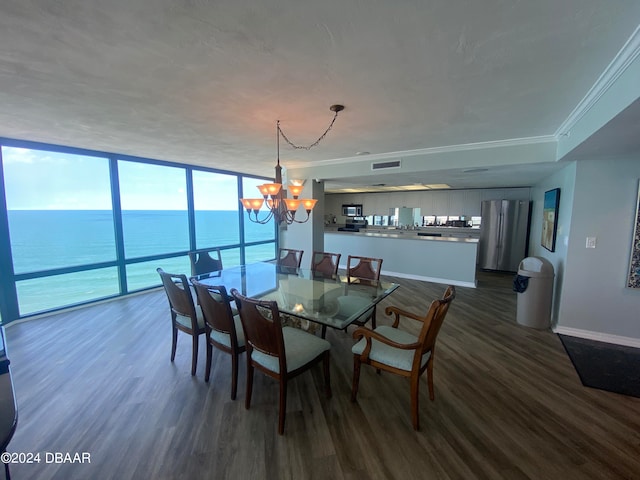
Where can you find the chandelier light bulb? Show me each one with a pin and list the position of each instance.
(292, 204)
(295, 190)
(270, 189)
(309, 203)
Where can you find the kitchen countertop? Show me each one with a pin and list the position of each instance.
(432, 229)
(406, 235)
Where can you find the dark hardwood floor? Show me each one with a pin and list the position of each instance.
(508, 403)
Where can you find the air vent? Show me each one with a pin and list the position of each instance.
(385, 165)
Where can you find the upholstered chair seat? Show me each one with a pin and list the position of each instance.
(300, 348)
(186, 321)
(394, 357)
(225, 338)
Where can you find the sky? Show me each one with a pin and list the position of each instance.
(41, 180)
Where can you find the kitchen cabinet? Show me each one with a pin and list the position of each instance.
(376, 204)
(425, 203)
(430, 202)
(472, 202)
(441, 204)
(457, 203)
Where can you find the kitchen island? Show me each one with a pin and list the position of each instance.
(405, 254)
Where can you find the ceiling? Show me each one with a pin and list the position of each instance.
(205, 82)
(617, 137)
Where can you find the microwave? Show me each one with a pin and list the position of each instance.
(352, 210)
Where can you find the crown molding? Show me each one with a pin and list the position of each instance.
(513, 142)
(625, 57)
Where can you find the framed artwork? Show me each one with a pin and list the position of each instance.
(550, 219)
(634, 267)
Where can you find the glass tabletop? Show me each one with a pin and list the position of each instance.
(329, 301)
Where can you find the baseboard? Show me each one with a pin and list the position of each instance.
(445, 281)
(598, 336)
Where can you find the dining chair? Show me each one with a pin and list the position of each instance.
(403, 353)
(325, 263)
(290, 258)
(277, 351)
(364, 271)
(203, 262)
(223, 329)
(185, 315)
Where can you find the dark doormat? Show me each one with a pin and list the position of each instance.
(615, 368)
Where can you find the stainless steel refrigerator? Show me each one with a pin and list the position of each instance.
(504, 233)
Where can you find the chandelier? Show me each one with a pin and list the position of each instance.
(274, 195)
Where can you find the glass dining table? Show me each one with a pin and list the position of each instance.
(328, 301)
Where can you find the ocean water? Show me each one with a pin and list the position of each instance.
(48, 239)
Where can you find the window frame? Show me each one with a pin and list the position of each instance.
(9, 306)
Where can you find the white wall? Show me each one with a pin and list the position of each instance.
(594, 297)
(308, 236)
(565, 181)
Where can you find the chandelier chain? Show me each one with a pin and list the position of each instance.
(274, 197)
(308, 147)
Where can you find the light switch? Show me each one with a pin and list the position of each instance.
(591, 242)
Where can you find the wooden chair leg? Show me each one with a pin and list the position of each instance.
(207, 370)
(283, 404)
(194, 354)
(430, 377)
(327, 374)
(373, 318)
(234, 375)
(324, 331)
(415, 384)
(356, 377)
(174, 342)
(247, 400)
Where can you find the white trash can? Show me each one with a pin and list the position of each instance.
(534, 284)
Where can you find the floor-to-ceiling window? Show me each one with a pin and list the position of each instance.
(216, 204)
(80, 225)
(60, 220)
(155, 221)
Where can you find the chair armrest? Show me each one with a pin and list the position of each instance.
(369, 334)
(398, 312)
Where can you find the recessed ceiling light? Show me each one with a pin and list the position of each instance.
(363, 153)
(475, 170)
